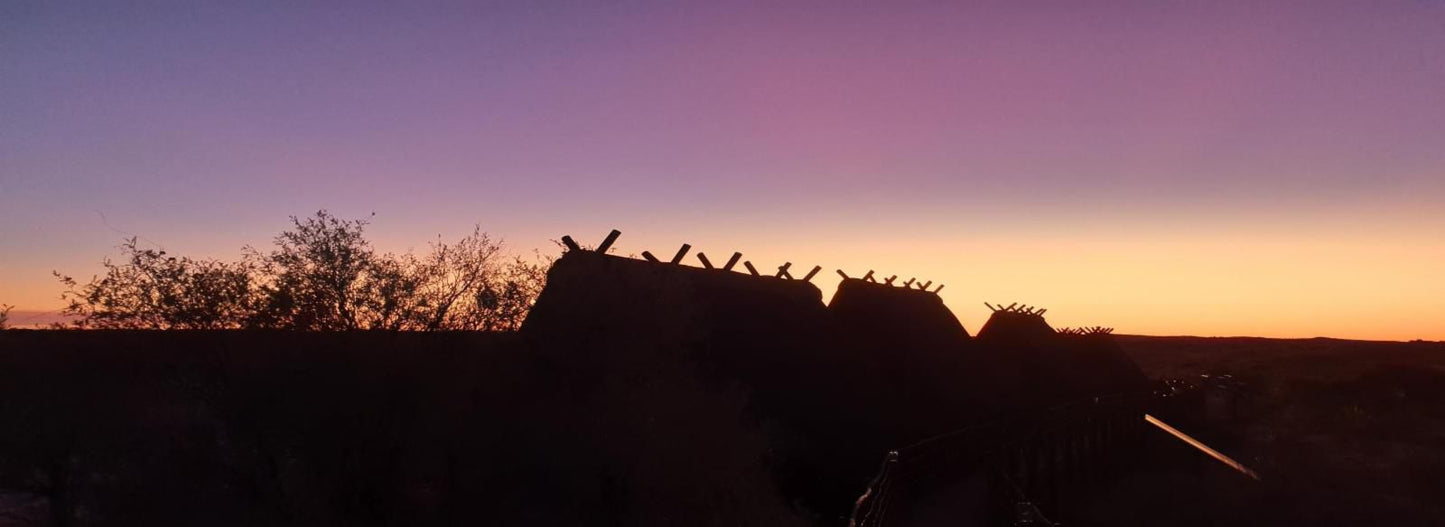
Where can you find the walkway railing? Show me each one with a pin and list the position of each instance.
(1034, 461)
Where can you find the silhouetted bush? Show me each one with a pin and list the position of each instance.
(154, 291)
(323, 275)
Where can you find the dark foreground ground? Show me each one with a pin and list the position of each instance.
(231, 428)
(278, 428)
(1342, 433)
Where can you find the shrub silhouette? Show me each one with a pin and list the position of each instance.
(154, 291)
(322, 275)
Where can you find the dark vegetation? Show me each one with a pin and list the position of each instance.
(322, 275)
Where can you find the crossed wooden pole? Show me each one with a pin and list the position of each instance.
(1015, 308)
(784, 271)
(911, 284)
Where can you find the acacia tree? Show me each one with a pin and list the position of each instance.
(324, 275)
(450, 277)
(469, 285)
(319, 275)
(390, 298)
(504, 301)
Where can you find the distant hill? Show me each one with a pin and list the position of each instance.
(1318, 358)
(35, 319)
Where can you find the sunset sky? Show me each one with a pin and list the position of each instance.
(1205, 168)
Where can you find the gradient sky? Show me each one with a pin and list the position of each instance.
(1207, 168)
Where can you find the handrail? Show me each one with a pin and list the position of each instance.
(978, 443)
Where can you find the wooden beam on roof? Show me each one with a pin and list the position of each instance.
(783, 270)
(810, 274)
(571, 245)
(607, 243)
(732, 261)
(649, 257)
(677, 258)
(705, 263)
(750, 267)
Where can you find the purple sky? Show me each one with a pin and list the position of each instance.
(918, 137)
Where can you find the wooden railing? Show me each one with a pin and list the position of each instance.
(1034, 462)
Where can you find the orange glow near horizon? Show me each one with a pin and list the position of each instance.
(1335, 281)
(1332, 280)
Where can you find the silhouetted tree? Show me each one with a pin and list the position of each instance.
(503, 303)
(5, 315)
(390, 296)
(451, 276)
(322, 275)
(150, 290)
(319, 276)
(467, 285)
